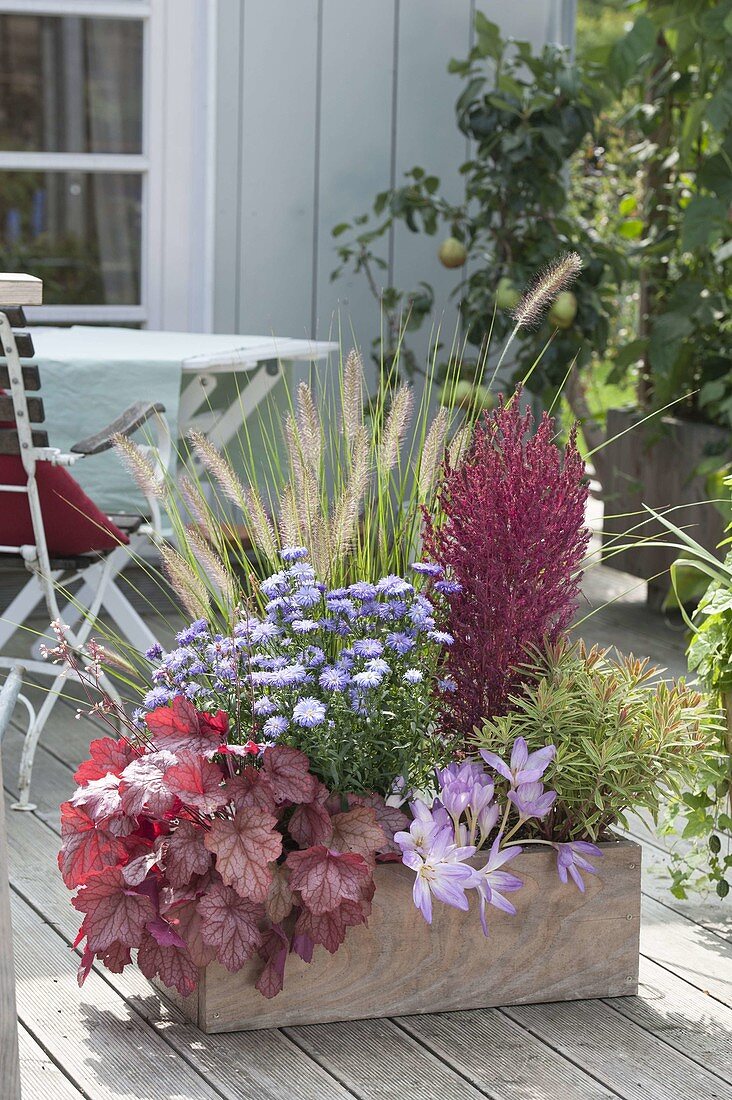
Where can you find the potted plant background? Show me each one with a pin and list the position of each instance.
(327, 747)
(624, 155)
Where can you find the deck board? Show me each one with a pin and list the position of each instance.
(117, 1038)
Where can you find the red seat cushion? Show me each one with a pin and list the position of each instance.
(74, 525)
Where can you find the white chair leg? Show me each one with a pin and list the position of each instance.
(35, 730)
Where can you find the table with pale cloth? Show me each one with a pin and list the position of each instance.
(90, 374)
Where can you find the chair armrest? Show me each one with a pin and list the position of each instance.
(126, 424)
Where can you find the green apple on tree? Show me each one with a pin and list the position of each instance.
(507, 296)
(564, 310)
(452, 252)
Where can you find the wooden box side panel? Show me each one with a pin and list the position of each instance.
(561, 945)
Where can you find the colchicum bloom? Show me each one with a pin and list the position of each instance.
(531, 800)
(570, 859)
(494, 882)
(525, 767)
(441, 872)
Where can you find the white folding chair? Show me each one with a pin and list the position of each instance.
(50, 572)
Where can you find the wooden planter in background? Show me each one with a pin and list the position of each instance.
(561, 946)
(654, 464)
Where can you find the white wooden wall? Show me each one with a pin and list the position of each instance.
(320, 105)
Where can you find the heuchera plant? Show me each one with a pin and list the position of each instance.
(474, 811)
(189, 849)
(510, 531)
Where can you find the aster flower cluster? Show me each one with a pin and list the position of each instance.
(473, 811)
(347, 675)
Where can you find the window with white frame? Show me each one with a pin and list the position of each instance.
(104, 161)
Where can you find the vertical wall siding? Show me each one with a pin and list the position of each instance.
(322, 103)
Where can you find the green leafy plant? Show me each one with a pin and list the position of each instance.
(671, 72)
(624, 739)
(525, 114)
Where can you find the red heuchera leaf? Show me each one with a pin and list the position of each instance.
(137, 870)
(230, 924)
(274, 949)
(143, 786)
(390, 818)
(244, 847)
(85, 848)
(310, 822)
(279, 897)
(184, 854)
(288, 771)
(512, 533)
(113, 911)
(173, 965)
(164, 933)
(116, 957)
(329, 929)
(181, 726)
(187, 920)
(197, 782)
(87, 962)
(107, 755)
(357, 831)
(325, 879)
(251, 789)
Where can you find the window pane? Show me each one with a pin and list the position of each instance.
(78, 231)
(70, 84)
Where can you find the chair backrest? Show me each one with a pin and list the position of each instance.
(20, 407)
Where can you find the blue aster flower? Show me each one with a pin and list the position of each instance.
(334, 679)
(442, 637)
(394, 586)
(314, 656)
(448, 588)
(368, 678)
(413, 676)
(289, 676)
(276, 585)
(368, 647)
(293, 553)
(447, 684)
(307, 596)
(378, 665)
(264, 707)
(192, 633)
(264, 632)
(304, 626)
(362, 590)
(400, 642)
(427, 568)
(274, 726)
(309, 712)
(158, 697)
(155, 652)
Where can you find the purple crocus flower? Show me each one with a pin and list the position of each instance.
(493, 882)
(524, 767)
(531, 800)
(441, 872)
(570, 860)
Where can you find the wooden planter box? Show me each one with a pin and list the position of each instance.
(654, 464)
(561, 946)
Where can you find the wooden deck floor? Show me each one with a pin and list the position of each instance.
(117, 1038)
